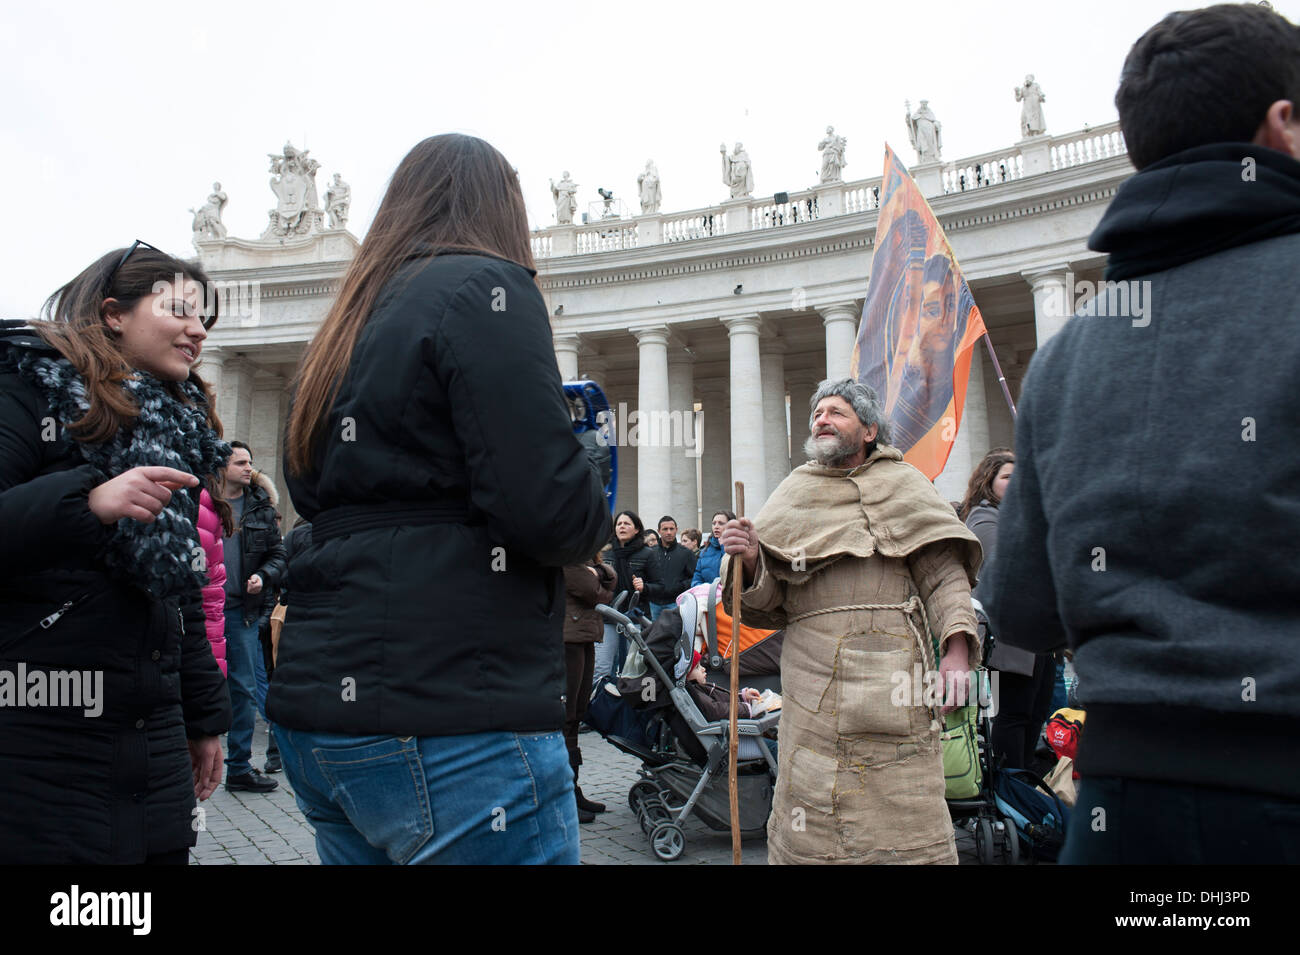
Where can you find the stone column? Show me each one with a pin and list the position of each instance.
(776, 439)
(716, 440)
(1051, 301)
(211, 366)
(972, 439)
(236, 401)
(566, 355)
(654, 432)
(748, 455)
(841, 321)
(801, 392)
(266, 426)
(684, 502)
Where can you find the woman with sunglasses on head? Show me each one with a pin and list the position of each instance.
(112, 701)
(418, 694)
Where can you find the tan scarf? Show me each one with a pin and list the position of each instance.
(883, 506)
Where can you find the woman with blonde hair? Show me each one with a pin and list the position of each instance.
(419, 691)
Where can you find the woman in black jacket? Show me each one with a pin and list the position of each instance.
(1025, 679)
(419, 692)
(629, 555)
(111, 702)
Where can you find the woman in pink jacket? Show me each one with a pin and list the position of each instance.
(212, 524)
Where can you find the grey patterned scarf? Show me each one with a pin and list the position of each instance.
(160, 556)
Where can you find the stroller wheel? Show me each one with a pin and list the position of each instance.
(667, 841)
(1010, 843)
(984, 841)
(639, 791)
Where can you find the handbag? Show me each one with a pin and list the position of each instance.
(962, 775)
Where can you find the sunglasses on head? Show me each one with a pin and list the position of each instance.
(208, 320)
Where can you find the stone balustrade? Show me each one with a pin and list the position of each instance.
(1041, 154)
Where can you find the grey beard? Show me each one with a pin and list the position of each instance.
(829, 455)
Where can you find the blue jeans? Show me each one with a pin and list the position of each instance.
(657, 609)
(243, 654)
(483, 798)
(610, 654)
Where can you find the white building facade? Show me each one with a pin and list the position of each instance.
(715, 325)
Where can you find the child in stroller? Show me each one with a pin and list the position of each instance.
(684, 752)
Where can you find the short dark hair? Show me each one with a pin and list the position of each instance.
(666, 517)
(691, 534)
(240, 444)
(1206, 76)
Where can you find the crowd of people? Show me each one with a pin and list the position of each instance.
(424, 642)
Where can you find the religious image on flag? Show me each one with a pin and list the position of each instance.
(919, 325)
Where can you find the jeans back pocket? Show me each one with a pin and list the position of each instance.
(381, 787)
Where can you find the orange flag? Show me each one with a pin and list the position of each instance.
(919, 325)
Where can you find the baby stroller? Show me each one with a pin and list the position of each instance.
(1013, 814)
(683, 755)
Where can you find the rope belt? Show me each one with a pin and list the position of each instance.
(914, 604)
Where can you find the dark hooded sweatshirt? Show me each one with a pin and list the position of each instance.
(1154, 517)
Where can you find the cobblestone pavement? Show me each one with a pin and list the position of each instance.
(256, 829)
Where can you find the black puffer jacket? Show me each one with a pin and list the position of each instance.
(429, 600)
(115, 787)
(669, 572)
(628, 561)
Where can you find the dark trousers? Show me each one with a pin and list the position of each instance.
(579, 662)
(1023, 705)
(1118, 821)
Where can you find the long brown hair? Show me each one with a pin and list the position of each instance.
(452, 193)
(980, 487)
(73, 324)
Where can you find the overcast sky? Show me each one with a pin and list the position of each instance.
(118, 118)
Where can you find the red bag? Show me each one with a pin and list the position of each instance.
(1063, 731)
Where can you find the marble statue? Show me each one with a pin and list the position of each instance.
(833, 162)
(338, 199)
(1031, 94)
(648, 185)
(925, 132)
(207, 218)
(566, 202)
(737, 172)
(297, 209)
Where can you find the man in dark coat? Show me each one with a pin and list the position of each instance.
(670, 568)
(1157, 486)
(254, 564)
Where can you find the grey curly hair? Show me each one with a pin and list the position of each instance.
(861, 397)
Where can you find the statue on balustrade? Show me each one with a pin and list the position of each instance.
(925, 132)
(566, 202)
(833, 162)
(737, 172)
(648, 185)
(207, 217)
(338, 200)
(297, 210)
(1031, 94)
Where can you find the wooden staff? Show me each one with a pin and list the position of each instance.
(733, 743)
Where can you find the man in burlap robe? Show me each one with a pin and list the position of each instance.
(869, 571)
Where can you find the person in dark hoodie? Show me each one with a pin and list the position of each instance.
(1179, 603)
(106, 430)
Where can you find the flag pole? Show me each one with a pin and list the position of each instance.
(1002, 379)
(733, 744)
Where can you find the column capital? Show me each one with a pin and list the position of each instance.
(213, 355)
(1038, 278)
(652, 335)
(770, 343)
(743, 325)
(569, 341)
(839, 312)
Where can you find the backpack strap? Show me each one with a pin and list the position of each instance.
(711, 628)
